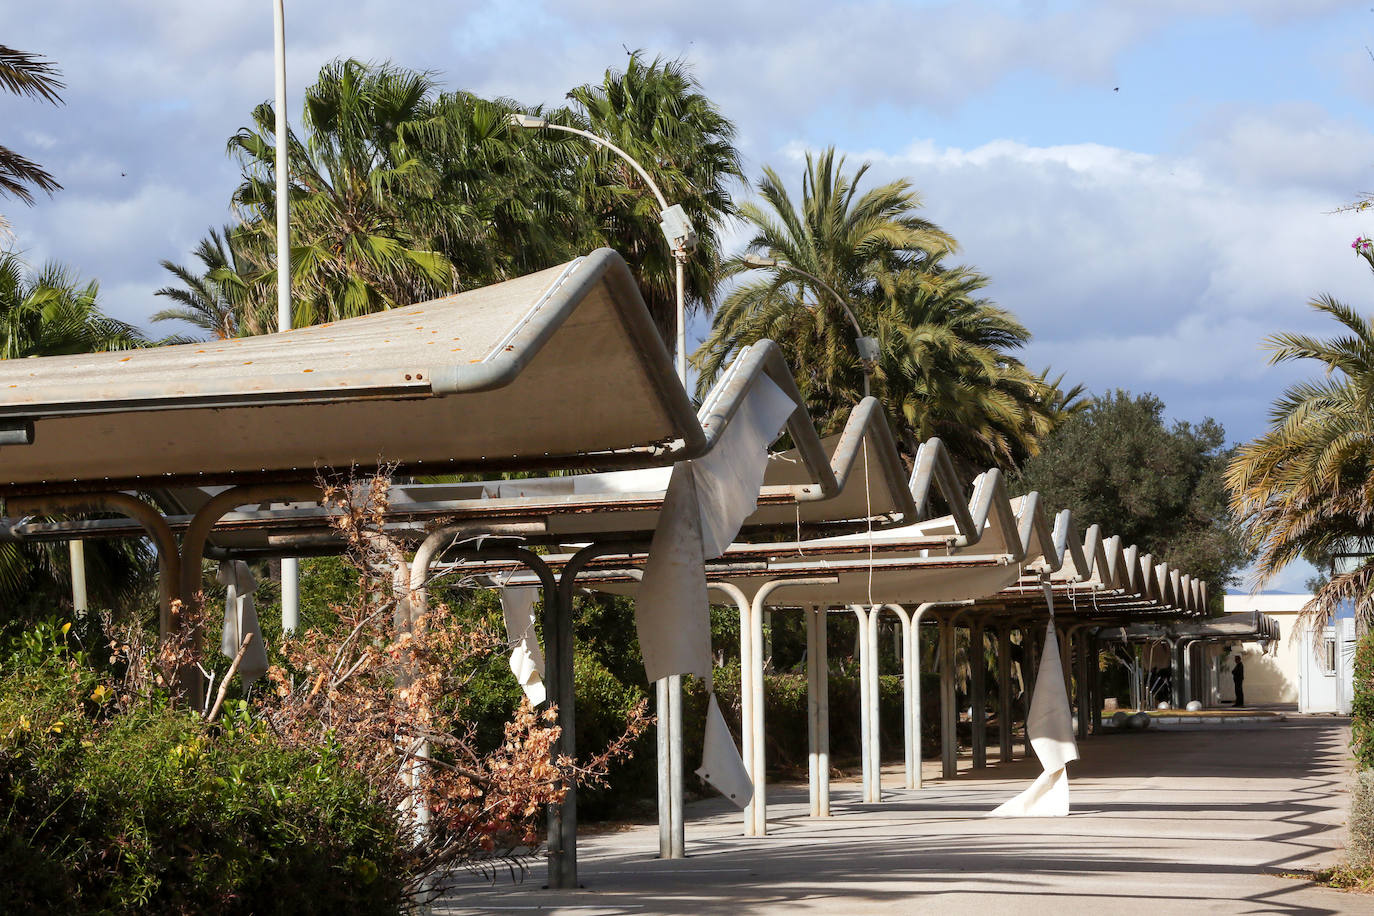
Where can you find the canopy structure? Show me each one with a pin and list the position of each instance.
(561, 368)
(995, 560)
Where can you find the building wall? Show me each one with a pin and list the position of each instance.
(1269, 677)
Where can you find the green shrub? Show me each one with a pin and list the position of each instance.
(127, 806)
(1362, 704)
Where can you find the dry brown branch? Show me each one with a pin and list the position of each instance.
(229, 676)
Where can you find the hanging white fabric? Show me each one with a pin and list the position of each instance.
(526, 657)
(671, 607)
(240, 619)
(728, 478)
(1049, 723)
(707, 501)
(721, 765)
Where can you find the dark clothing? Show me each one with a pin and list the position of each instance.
(1238, 678)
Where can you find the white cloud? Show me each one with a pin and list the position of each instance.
(1152, 271)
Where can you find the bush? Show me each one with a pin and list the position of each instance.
(1361, 825)
(119, 804)
(1362, 704)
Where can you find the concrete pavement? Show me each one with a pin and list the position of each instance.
(1164, 821)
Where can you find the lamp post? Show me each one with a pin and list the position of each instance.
(290, 568)
(867, 346)
(682, 241)
(673, 220)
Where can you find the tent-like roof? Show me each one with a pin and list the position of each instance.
(846, 481)
(562, 368)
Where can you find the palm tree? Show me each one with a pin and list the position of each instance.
(1306, 487)
(655, 111)
(945, 365)
(947, 368)
(52, 313)
(212, 301)
(843, 239)
(33, 77)
(365, 216)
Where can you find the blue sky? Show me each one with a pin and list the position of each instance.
(1150, 186)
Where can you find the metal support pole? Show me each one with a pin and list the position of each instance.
(1084, 698)
(866, 704)
(911, 738)
(1004, 693)
(818, 707)
(751, 646)
(665, 777)
(978, 700)
(949, 734)
(1030, 658)
(1095, 678)
(875, 731)
(676, 821)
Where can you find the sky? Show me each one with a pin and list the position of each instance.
(1151, 187)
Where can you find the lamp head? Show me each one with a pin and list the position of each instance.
(530, 122)
(758, 260)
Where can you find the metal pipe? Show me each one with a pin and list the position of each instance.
(1004, 716)
(756, 814)
(168, 556)
(911, 751)
(290, 568)
(978, 701)
(861, 615)
(949, 734)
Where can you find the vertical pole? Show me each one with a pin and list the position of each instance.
(949, 734)
(76, 550)
(813, 725)
(911, 751)
(665, 779)
(1030, 662)
(865, 702)
(1095, 681)
(1004, 693)
(1084, 692)
(746, 702)
(875, 731)
(290, 568)
(978, 700)
(823, 708)
(675, 788)
(916, 720)
(760, 763)
(681, 322)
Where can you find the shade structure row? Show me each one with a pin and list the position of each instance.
(217, 449)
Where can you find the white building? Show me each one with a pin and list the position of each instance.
(1303, 668)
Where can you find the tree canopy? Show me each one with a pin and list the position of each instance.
(1160, 486)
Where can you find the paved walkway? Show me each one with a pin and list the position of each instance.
(1165, 821)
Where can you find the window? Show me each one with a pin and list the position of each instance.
(1328, 656)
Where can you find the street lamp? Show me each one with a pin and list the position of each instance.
(290, 569)
(673, 220)
(682, 241)
(867, 346)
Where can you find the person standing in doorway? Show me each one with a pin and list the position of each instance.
(1238, 678)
